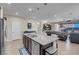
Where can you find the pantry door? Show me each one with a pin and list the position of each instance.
(16, 30)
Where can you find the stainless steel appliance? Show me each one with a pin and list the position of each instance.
(1, 30)
(1, 35)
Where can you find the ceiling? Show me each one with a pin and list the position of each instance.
(41, 11)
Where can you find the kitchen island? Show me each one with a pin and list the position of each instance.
(37, 43)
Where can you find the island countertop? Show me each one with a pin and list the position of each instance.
(42, 39)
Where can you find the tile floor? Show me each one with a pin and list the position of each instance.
(11, 47)
(65, 47)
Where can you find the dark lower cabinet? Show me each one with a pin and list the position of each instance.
(27, 43)
(34, 47)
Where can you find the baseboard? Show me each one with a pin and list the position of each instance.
(8, 40)
(12, 40)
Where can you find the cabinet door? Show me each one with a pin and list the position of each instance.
(30, 45)
(35, 48)
(27, 43)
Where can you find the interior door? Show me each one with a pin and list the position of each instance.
(16, 30)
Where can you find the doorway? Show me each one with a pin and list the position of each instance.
(16, 29)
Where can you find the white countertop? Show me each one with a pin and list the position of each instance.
(42, 39)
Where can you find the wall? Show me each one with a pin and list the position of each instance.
(23, 21)
(9, 26)
(8, 29)
(35, 25)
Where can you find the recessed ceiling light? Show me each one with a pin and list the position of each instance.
(30, 9)
(17, 13)
(44, 21)
(55, 15)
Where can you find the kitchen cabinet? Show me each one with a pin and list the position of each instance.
(27, 43)
(31, 46)
(36, 45)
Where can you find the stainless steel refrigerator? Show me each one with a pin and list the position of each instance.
(1, 30)
(1, 35)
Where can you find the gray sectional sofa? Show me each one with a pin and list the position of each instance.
(74, 37)
(62, 35)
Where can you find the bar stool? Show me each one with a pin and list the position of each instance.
(52, 50)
